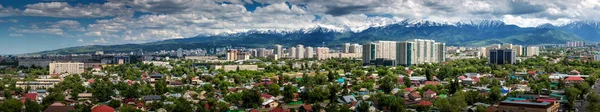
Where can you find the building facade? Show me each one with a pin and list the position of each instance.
(300, 51)
(232, 55)
(502, 56)
(72, 68)
(309, 52)
(417, 51)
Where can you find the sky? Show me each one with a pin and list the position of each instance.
(37, 25)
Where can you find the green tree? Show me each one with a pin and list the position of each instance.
(274, 90)
(572, 94)
(114, 103)
(481, 108)
(251, 98)
(182, 105)
(495, 94)
(363, 106)
(594, 103)
(388, 83)
(102, 91)
(161, 87)
(288, 93)
(31, 106)
(11, 105)
(407, 82)
(128, 108)
(52, 97)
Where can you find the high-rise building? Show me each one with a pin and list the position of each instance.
(518, 50)
(232, 55)
(417, 51)
(243, 56)
(355, 48)
(507, 46)
(346, 48)
(261, 52)
(121, 59)
(385, 50)
(180, 53)
(441, 52)
(531, 51)
(278, 50)
(309, 52)
(71, 68)
(483, 51)
(322, 53)
(405, 49)
(495, 46)
(502, 56)
(292, 53)
(424, 51)
(300, 51)
(576, 44)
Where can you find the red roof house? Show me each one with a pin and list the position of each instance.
(429, 94)
(29, 96)
(280, 110)
(435, 83)
(424, 103)
(103, 108)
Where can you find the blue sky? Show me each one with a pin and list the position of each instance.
(36, 25)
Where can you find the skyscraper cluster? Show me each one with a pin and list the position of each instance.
(576, 44)
(417, 51)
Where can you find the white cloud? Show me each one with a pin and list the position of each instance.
(9, 21)
(15, 35)
(65, 10)
(170, 19)
(57, 28)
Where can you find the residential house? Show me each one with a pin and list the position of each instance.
(59, 107)
(346, 99)
(429, 94)
(152, 98)
(102, 108)
(414, 96)
(279, 110)
(424, 103)
(573, 80)
(435, 83)
(84, 96)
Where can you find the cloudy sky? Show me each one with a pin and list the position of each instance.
(37, 25)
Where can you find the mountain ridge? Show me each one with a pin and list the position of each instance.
(472, 33)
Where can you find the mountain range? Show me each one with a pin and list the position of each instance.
(464, 33)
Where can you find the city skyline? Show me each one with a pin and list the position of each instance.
(33, 26)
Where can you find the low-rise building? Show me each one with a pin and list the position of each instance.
(514, 105)
(236, 67)
(72, 68)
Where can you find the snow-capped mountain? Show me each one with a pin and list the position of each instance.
(471, 33)
(588, 30)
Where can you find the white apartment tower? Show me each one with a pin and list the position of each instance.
(309, 52)
(300, 51)
(379, 50)
(346, 47)
(292, 52)
(518, 50)
(355, 48)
